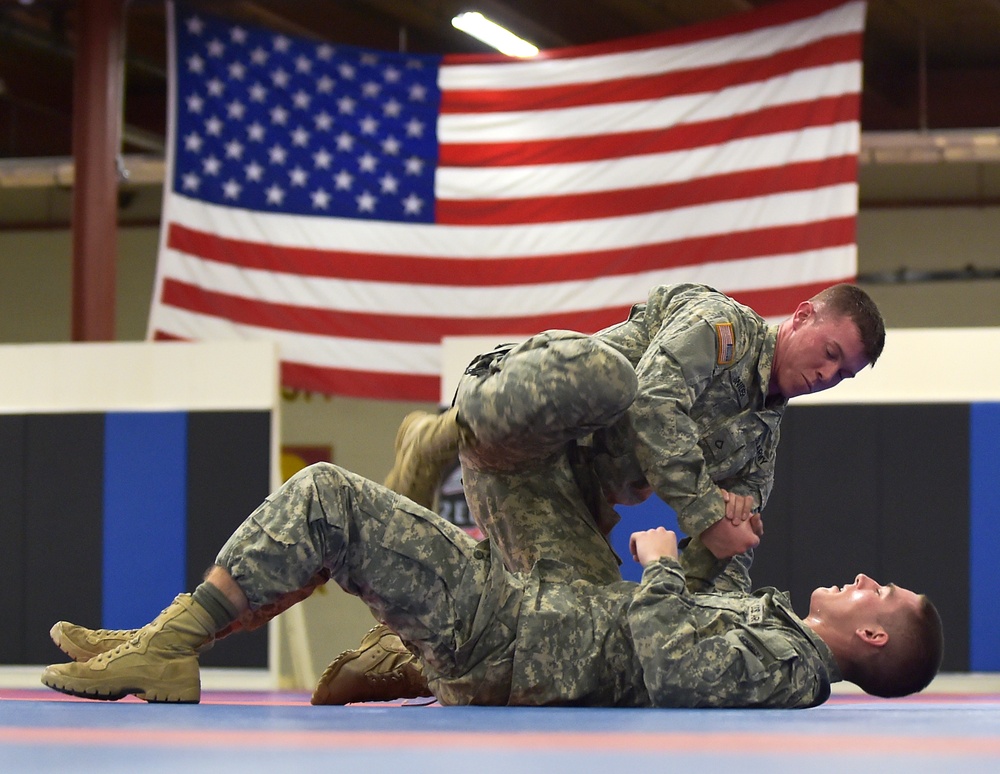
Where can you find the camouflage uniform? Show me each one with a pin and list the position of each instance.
(673, 400)
(490, 636)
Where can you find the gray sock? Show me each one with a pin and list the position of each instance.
(217, 604)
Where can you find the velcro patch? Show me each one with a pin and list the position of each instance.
(725, 343)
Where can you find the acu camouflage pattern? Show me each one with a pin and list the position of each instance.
(489, 636)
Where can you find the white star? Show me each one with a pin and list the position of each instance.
(302, 64)
(279, 115)
(234, 149)
(213, 126)
(367, 163)
(321, 199)
(412, 204)
(195, 103)
(277, 154)
(366, 202)
(301, 100)
(371, 89)
(192, 142)
(275, 195)
(191, 182)
(390, 185)
(368, 125)
(211, 165)
(196, 64)
(258, 92)
(195, 25)
(215, 87)
(238, 35)
(231, 189)
(300, 137)
(346, 105)
(237, 71)
(235, 110)
(414, 64)
(346, 71)
(391, 146)
(281, 43)
(254, 172)
(391, 75)
(325, 85)
(255, 132)
(418, 92)
(215, 47)
(392, 108)
(345, 142)
(414, 165)
(324, 51)
(343, 180)
(259, 56)
(280, 78)
(323, 121)
(369, 59)
(322, 159)
(298, 176)
(414, 128)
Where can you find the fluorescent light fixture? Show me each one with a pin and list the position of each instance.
(492, 34)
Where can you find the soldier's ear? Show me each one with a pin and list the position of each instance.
(802, 313)
(873, 635)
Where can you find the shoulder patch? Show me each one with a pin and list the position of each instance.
(725, 341)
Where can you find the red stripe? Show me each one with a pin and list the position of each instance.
(372, 325)
(782, 118)
(777, 302)
(361, 384)
(522, 270)
(639, 200)
(771, 15)
(830, 51)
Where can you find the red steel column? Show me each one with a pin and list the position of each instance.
(97, 105)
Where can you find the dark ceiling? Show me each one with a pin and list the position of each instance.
(928, 64)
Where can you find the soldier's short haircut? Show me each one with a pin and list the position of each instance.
(846, 300)
(910, 659)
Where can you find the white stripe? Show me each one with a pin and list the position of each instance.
(463, 302)
(485, 242)
(701, 53)
(325, 351)
(812, 144)
(642, 115)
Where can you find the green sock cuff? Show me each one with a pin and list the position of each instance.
(216, 603)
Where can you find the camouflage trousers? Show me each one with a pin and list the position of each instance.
(523, 412)
(449, 598)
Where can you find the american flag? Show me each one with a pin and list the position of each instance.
(357, 206)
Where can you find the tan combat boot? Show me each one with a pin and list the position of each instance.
(425, 445)
(82, 644)
(158, 664)
(381, 669)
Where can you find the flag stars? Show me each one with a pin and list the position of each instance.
(231, 189)
(347, 71)
(414, 128)
(235, 110)
(213, 126)
(345, 142)
(277, 154)
(195, 25)
(343, 180)
(346, 105)
(367, 162)
(298, 176)
(216, 48)
(418, 92)
(391, 75)
(281, 44)
(392, 109)
(412, 205)
(325, 85)
(389, 184)
(414, 165)
(192, 142)
(280, 78)
(391, 146)
(238, 35)
(211, 165)
(325, 52)
(279, 115)
(300, 137)
(366, 202)
(275, 195)
(190, 182)
(256, 132)
(301, 100)
(258, 92)
(195, 103)
(371, 89)
(215, 87)
(303, 65)
(369, 58)
(323, 121)
(259, 56)
(234, 149)
(322, 159)
(368, 125)
(237, 71)
(254, 172)
(320, 199)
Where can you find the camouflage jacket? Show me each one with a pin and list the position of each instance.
(702, 419)
(656, 644)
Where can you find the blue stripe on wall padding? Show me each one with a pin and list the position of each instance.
(984, 537)
(145, 509)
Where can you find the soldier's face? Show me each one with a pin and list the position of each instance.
(860, 603)
(816, 353)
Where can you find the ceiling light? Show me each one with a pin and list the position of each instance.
(492, 34)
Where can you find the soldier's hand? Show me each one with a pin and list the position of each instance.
(725, 539)
(652, 544)
(739, 507)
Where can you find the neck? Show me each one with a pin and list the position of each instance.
(779, 344)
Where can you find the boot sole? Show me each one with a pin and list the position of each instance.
(153, 697)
